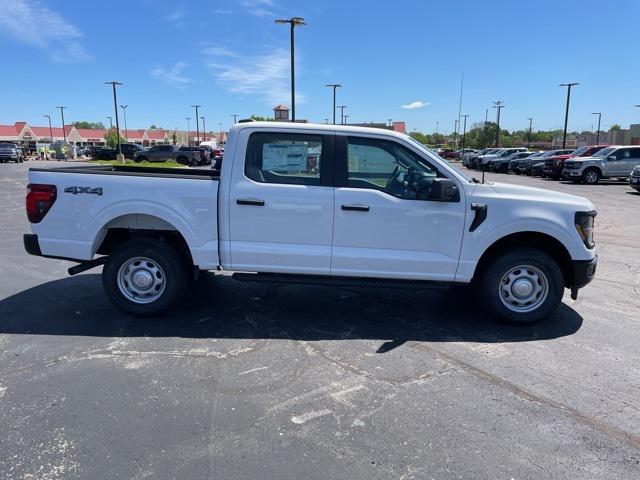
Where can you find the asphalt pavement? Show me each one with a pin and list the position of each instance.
(251, 381)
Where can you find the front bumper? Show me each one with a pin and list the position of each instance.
(583, 273)
(634, 182)
(552, 171)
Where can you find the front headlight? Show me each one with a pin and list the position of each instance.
(584, 222)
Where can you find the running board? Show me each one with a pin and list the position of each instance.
(337, 281)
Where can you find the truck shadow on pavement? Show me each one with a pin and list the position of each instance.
(220, 307)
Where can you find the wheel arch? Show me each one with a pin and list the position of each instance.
(538, 240)
(135, 225)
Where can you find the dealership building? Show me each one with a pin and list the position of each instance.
(23, 133)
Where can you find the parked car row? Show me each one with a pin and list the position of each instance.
(587, 164)
(190, 156)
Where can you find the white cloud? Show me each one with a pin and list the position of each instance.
(30, 22)
(214, 51)
(259, 8)
(175, 16)
(416, 104)
(173, 76)
(265, 75)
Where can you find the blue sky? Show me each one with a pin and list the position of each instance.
(230, 57)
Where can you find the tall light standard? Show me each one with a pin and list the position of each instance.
(124, 112)
(566, 112)
(529, 137)
(390, 122)
(341, 107)
(110, 121)
(204, 129)
(235, 117)
(50, 129)
(293, 22)
(115, 107)
(485, 140)
(334, 86)
(188, 131)
(464, 130)
(197, 124)
(437, 123)
(345, 119)
(455, 133)
(64, 133)
(598, 132)
(326, 120)
(498, 106)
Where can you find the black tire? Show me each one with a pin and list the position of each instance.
(172, 269)
(591, 176)
(182, 160)
(535, 265)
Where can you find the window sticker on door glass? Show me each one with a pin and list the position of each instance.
(278, 157)
(353, 163)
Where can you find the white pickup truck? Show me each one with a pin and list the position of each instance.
(318, 204)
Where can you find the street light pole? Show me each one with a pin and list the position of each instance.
(50, 129)
(124, 112)
(529, 138)
(64, 133)
(197, 124)
(204, 129)
(188, 129)
(598, 132)
(110, 121)
(566, 112)
(334, 86)
(498, 106)
(464, 130)
(235, 117)
(345, 119)
(455, 133)
(341, 107)
(115, 107)
(293, 22)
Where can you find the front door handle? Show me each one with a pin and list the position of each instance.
(356, 208)
(248, 201)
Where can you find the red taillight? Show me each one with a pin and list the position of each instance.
(40, 199)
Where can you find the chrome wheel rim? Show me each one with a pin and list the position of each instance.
(523, 289)
(141, 280)
(591, 177)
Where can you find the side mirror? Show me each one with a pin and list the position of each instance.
(611, 157)
(443, 190)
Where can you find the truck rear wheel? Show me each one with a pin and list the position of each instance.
(144, 277)
(522, 286)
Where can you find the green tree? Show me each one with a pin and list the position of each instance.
(90, 125)
(111, 138)
(615, 126)
(174, 138)
(258, 118)
(153, 127)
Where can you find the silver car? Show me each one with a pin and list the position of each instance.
(610, 162)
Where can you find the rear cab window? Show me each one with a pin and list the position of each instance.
(289, 158)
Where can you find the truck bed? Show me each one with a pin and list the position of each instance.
(126, 170)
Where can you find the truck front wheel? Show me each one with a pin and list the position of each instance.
(591, 176)
(522, 286)
(144, 276)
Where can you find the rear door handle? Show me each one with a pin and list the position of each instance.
(356, 208)
(248, 201)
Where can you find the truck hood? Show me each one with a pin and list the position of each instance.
(520, 192)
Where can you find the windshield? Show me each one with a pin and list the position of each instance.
(580, 151)
(604, 152)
